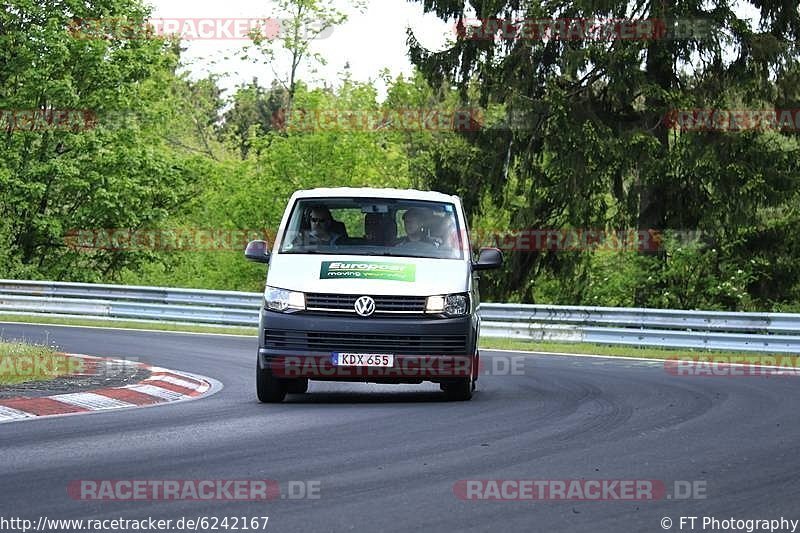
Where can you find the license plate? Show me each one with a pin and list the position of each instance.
(362, 359)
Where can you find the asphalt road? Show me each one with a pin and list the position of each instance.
(387, 458)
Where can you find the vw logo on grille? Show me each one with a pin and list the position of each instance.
(365, 306)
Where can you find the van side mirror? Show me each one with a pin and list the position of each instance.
(488, 259)
(257, 251)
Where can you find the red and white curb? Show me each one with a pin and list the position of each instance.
(163, 386)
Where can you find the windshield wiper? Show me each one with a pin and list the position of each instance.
(303, 252)
(390, 254)
(378, 253)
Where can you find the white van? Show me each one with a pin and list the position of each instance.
(375, 285)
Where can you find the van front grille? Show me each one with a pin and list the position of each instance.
(337, 341)
(339, 303)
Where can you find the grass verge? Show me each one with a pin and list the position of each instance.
(20, 362)
(643, 352)
(125, 324)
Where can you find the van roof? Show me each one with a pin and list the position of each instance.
(368, 192)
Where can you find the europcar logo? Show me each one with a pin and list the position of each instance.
(367, 270)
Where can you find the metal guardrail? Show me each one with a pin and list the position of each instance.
(758, 332)
(156, 295)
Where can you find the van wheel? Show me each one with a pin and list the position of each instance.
(268, 388)
(297, 386)
(460, 390)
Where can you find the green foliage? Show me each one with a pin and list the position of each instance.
(564, 135)
(254, 111)
(251, 194)
(589, 148)
(117, 170)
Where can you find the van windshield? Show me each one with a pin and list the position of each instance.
(369, 226)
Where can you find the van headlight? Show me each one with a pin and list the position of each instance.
(449, 304)
(282, 300)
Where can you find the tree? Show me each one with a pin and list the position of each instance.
(590, 147)
(113, 168)
(298, 23)
(253, 107)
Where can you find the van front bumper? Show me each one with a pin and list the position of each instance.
(302, 345)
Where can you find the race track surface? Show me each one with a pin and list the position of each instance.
(387, 458)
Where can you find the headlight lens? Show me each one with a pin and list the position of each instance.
(282, 300)
(456, 305)
(450, 304)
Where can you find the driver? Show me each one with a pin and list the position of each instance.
(321, 222)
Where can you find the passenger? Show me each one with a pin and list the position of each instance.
(443, 230)
(414, 221)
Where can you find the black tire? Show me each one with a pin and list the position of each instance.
(297, 386)
(269, 388)
(459, 391)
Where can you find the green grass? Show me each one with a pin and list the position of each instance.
(487, 343)
(612, 350)
(127, 324)
(20, 362)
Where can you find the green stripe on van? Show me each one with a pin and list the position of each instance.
(367, 270)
